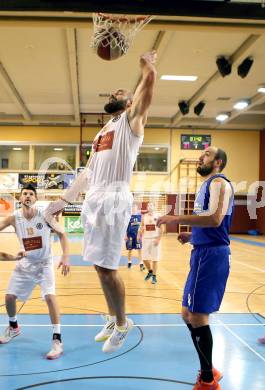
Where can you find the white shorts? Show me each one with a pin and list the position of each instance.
(105, 217)
(149, 250)
(29, 274)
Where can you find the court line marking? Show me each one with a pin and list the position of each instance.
(248, 242)
(226, 326)
(141, 325)
(248, 266)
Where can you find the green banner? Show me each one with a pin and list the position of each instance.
(73, 225)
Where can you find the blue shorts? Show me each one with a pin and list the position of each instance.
(132, 242)
(206, 282)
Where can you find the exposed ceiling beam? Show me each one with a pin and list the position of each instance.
(13, 92)
(73, 68)
(254, 112)
(177, 23)
(234, 58)
(259, 98)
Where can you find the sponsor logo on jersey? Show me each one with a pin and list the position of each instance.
(39, 226)
(104, 142)
(30, 231)
(32, 243)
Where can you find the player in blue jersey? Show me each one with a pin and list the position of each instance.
(210, 258)
(133, 236)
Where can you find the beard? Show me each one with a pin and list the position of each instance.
(114, 106)
(205, 170)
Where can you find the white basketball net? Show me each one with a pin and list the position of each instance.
(110, 28)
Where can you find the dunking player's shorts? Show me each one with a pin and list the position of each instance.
(150, 250)
(28, 274)
(106, 214)
(205, 286)
(132, 242)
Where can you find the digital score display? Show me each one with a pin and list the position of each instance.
(195, 142)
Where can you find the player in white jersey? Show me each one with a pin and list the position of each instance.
(107, 206)
(151, 242)
(35, 267)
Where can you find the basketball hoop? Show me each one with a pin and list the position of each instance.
(116, 31)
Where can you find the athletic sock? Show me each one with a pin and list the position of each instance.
(57, 336)
(13, 322)
(203, 342)
(56, 328)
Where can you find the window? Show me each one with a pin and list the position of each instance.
(152, 159)
(62, 157)
(14, 157)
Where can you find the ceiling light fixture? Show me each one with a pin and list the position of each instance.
(222, 117)
(178, 78)
(58, 149)
(17, 148)
(241, 104)
(261, 89)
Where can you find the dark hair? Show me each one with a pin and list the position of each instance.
(221, 155)
(29, 187)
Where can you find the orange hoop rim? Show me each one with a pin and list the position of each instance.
(123, 19)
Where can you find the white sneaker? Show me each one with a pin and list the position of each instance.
(56, 351)
(116, 340)
(9, 334)
(107, 330)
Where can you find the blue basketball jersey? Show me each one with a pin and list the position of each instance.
(212, 236)
(134, 224)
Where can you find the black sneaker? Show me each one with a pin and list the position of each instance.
(148, 276)
(154, 280)
(142, 267)
(129, 265)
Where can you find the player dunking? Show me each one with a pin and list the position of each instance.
(210, 258)
(107, 206)
(35, 268)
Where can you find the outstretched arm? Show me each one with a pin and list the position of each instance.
(137, 113)
(220, 194)
(80, 184)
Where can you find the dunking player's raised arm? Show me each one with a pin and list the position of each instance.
(142, 98)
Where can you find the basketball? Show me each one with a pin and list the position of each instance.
(111, 45)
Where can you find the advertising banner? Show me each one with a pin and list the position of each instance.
(8, 181)
(73, 225)
(48, 181)
(72, 210)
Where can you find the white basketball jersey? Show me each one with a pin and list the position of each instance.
(150, 228)
(115, 150)
(34, 235)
